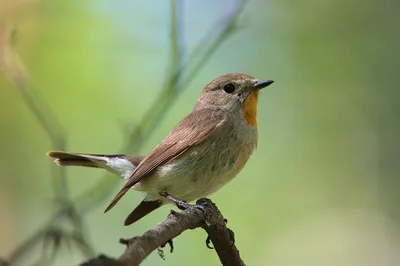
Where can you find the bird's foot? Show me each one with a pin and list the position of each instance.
(208, 242)
(182, 205)
(161, 251)
(171, 245)
(231, 236)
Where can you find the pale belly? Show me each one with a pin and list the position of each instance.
(198, 172)
(184, 185)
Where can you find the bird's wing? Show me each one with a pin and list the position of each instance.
(189, 132)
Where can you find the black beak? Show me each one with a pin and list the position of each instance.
(262, 84)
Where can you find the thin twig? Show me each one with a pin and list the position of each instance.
(209, 218)
(12, 66)
(49, 122)
(23, 250)
(228, 26)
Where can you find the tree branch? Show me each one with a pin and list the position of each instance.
(209, 218)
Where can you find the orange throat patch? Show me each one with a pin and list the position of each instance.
(249, 111)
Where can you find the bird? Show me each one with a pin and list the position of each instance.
(203, 152)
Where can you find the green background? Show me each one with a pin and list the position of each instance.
(322, 187)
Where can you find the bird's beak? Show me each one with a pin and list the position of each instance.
(262, 84)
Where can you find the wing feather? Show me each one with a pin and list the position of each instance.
(191, 131)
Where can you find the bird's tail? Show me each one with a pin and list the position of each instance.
(120, 164)
(81, 159)
(144, 208)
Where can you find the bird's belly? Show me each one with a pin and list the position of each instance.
(198, 173)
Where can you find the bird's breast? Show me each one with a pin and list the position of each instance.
(249, 111)
(206, 167)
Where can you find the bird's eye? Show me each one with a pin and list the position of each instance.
(229, 88)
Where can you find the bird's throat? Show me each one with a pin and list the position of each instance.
(249, 111)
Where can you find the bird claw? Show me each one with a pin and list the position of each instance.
(231, 237)
(161, 251)
(183, 205)
(200, 207)
(179, 203)
(174, 213)
(171, 245)
(231, 233)
(208, 241)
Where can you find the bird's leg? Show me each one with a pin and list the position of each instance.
(182, 205)
(179, 203)
(179, 206)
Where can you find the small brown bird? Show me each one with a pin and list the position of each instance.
(206, 150)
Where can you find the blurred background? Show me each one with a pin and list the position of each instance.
(322, 187)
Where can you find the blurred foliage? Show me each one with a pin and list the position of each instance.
(322, 187)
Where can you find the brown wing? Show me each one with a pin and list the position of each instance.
(190, 131)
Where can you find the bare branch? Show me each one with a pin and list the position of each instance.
(25, 248)
(155, 114)
(11, 65)
(209, 218)
(227, 26)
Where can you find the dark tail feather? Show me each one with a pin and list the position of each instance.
(68, 159)
(144, 208)
(90, 160)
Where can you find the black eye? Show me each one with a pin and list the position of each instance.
(229, 88)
